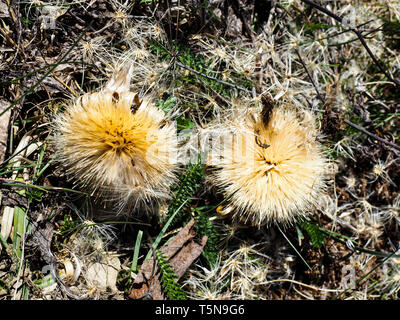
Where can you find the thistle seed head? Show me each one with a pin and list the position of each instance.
(274, 171)
(117, 144)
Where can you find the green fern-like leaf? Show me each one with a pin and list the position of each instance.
(188, 185)
(168, 279)
(317, 236)
(205, 227)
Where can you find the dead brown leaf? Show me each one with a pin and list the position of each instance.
(181, 252)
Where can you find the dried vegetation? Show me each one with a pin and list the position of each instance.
(201, 62)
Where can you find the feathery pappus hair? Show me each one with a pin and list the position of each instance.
(120, 146)
(269, 165)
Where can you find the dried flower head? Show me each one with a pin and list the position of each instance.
(380, 170)
(117, 144)
(271, 168)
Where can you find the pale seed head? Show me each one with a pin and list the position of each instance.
(270, 172)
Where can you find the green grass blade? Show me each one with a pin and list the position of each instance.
(136, 252)
(294, 248)
(45, 167)
(20, 225)
(39, 163)
(3, 242)
(164, 229)
(17, 169)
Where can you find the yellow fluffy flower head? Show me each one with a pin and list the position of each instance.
(119, 145)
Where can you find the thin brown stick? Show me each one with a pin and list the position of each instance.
(12, 42)
(374, 136)
(72, 91)
(309, 76)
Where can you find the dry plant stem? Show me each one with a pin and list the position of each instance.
(248, 30)
(309, 76)
(374, 136)
(16, 21)
(65, 85)
(211, 78)
(348, 122)
(19, 31)
(11, 41)
(299, 283)
(360, 37)
(239, 13)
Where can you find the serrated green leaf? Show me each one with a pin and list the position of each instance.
(317, 237)
(168, 278)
